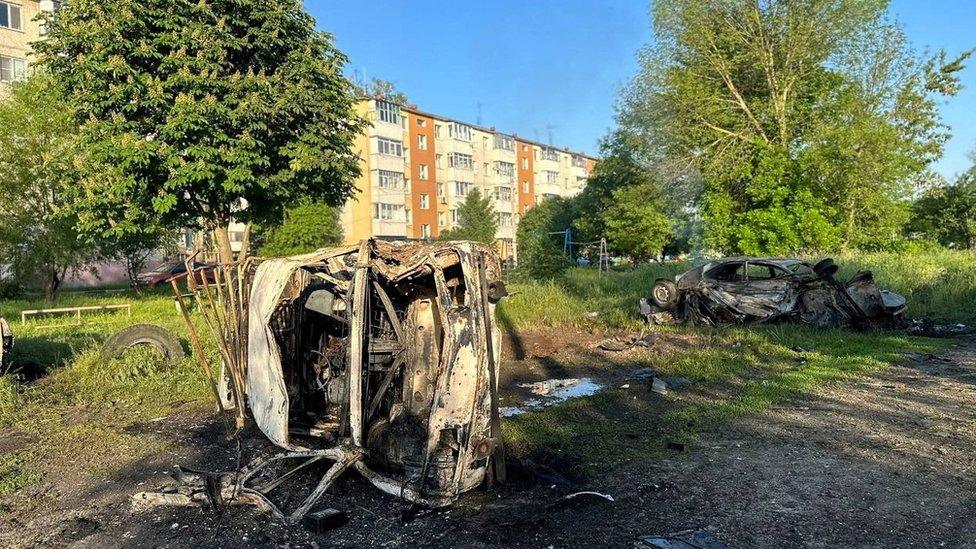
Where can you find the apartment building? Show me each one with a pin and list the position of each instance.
(418, 168)
(19, 27)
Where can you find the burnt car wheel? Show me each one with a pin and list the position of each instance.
(664, 294)
(825, 268)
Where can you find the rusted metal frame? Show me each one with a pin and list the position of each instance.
(374, 405)
(341, 284)
(357, 324)
(495, 422)
(330, 477)
(218, 325)
(265, 488)
(397, 489)
(448, 355)
(390, 311)
(198, 346)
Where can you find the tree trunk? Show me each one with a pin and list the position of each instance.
(52, 285)
(222, 241)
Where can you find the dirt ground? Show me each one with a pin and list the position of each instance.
(882, 461)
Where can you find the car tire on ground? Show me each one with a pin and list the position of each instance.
(145, 334)
(664, 294)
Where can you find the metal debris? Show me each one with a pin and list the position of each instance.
(686, 539)
(380, 357)
(743, 290)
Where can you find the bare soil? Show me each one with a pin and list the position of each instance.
(883, 461)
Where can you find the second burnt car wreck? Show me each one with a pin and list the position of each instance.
(381, 358)
(744, 290)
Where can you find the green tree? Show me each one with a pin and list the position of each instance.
(809, 120)
(540, 253)
(307, 227)
(635, 223)
(947, 213)
(384, 89)
(203, 111)
(38, 137)
(477, 220)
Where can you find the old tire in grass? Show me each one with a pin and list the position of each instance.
(664, 294)
(162, 339)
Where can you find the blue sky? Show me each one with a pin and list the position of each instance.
(545, 66)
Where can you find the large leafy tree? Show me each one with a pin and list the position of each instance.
(947, 213)
(202, 111)
(477, 220)
(540, 252)
(307, 227)
(635, 223)
(809, 120)
(38, 136)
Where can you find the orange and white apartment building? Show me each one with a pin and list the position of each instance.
(417, 169)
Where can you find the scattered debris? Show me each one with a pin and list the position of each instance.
(744, 290)
(381, 357)
(927, 327)
(687, 539)
(323, 521)
(676, 382)
(926, 357)
(659, 386)
(625, 343)
(157, 337)
(576, 495)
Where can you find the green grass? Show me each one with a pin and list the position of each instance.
(743, 369)
(79, 409)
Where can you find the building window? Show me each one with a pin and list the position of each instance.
(454, 216)
(437, 131)
(440, 189)
(388, 112)
(525, 187)
(425, 231)
(504, 142)
(12, 69)
(422, 142)
(504, 219)
(525, 162)
(579, 161)
(548, 153)
(503, 194)
(460, 160)
(424, 172)
(10, 16)
(459, 131)
(390, 147)
(461, 188)
(505, 169)
(438, 161)
(441, 219)
(485, 168)
(424, 202)
(552, 177)
(390, 180)
(421, 123)
(388, 212)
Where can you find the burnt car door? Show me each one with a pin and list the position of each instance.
(745, 291)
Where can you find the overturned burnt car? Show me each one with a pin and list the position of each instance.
(742, 290)
(381, 358)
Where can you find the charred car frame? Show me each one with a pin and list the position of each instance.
(743, 290)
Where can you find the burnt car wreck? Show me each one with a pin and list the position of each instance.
(745, 290)
(380, 358)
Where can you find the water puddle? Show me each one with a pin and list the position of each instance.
(551, 391)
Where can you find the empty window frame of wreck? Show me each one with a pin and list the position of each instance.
(388, 349)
